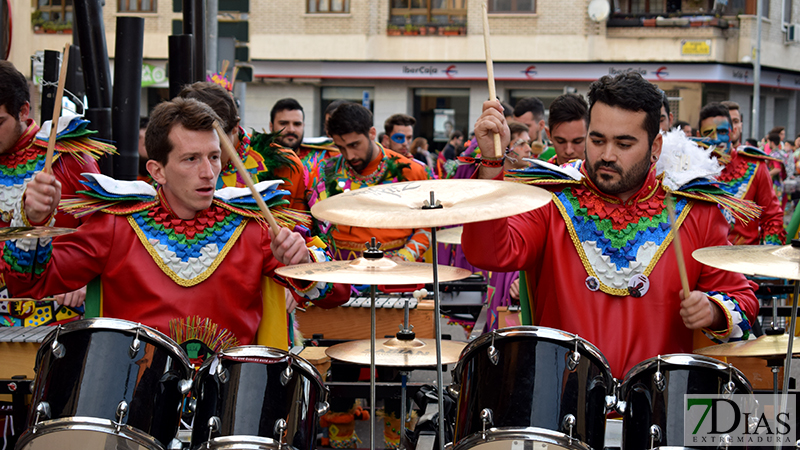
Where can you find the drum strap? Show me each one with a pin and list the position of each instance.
(94, 298)
(525, 314)
(273, 331)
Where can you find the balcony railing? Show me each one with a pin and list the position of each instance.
(431, 29)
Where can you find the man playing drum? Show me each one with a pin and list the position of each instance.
(598, 257)
(180, 255)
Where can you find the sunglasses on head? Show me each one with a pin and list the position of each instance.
(398, 137)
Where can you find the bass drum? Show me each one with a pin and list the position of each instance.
(652, 396)
(253, 397)
(531, 387)
(106, 384)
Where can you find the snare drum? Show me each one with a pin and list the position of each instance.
(106, 383)
(651, 396)
(531, 384)
(257, 398)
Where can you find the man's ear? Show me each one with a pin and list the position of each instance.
(157, 171)
(24, 113)
(655, 150)
(373, 133)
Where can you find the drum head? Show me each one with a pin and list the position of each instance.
(68, 434)
(521, 439)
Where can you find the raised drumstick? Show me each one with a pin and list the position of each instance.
(498, 152)
(676, 242)
(51, 143)
(227, 147)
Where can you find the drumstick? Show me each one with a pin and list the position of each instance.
(46, 299)
(227, 147)
(676, 242)
(62, 78)
(498, 152)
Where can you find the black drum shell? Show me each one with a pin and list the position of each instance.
(97, 372)
(253, 397)
(646, 405)
(532, 385)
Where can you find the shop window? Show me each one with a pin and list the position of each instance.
(137, 6)
(328, 6)
(512, 6)
(417, 12)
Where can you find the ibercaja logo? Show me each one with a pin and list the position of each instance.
(739, 420)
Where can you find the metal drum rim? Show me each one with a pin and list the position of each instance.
(551, 334)
(681, 360)
(84, 423)
(108, 323)
(240, 442)
(268, 352)
(511, 433)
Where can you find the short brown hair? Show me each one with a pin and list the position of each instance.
(402, 120)
(186, 112)
(515, 128)
(217, 98)
(732, 106)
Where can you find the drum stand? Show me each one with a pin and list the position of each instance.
(788, 368)
(372, 252)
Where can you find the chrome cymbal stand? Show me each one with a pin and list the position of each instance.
(373, 252)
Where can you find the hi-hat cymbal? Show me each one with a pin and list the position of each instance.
(371, 271)
(400, 205)
(765, 347)
(450, 235)
(7, 234)
(765, 260)
(397, 353)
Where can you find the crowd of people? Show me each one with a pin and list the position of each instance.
(179, 251)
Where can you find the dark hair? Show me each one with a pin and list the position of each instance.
(567, 108)
(732, 106)
(143, 121)
(774, 138)
(517, 128)
(777, 130)
(714, 109)
(283, 105)
(456, 134)
(218, 98)
(15, 92)
(402, 120)
(332, 107)
(680, 124)
(751, 142)
(630, 92)
(349, 118)
(664, 103)
(189, 113)
(532, 105)
(508, 110)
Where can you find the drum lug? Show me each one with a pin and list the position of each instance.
(322, 408)
(278, 430)
(42, 412)
(725, 441)
(191, 404)
(213, 426)
(574, 357)
(185, 386)
(454, 390)
(175, 444)
(222, 374)
(57, 347)
(730, 386)
(658, 377)
(488, 420)
(568, 424)
(286, 375)
(122, 411)
(620, 407)
(655, 435)
(611, 402)
(133, 350)
(494, 356)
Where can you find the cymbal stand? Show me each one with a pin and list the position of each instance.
(434, 204)
(787, 371)
(373, 252)
(406, 334)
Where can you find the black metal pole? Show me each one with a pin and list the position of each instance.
(127, 95)
(180, 63)
(76, 85)
(199, 33)
(52, 64)
(94, 56)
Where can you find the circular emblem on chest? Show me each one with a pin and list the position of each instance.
(592, 283)
(638, 285)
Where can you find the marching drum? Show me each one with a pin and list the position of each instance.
(106, 384)
(651, 397)
(257, 398)
(531, 384)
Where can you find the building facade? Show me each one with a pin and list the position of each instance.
(426, 57)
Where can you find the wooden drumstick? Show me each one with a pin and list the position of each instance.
(498, 152)
(227, 147)
(51, 143)
(676, 242)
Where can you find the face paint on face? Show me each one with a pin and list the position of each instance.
(717, 130)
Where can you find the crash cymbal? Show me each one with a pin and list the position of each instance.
(450, 235)
(765, 260)
(371, 271)
(397, 353)
(400, 205)
(7, 234)
(765, 347)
